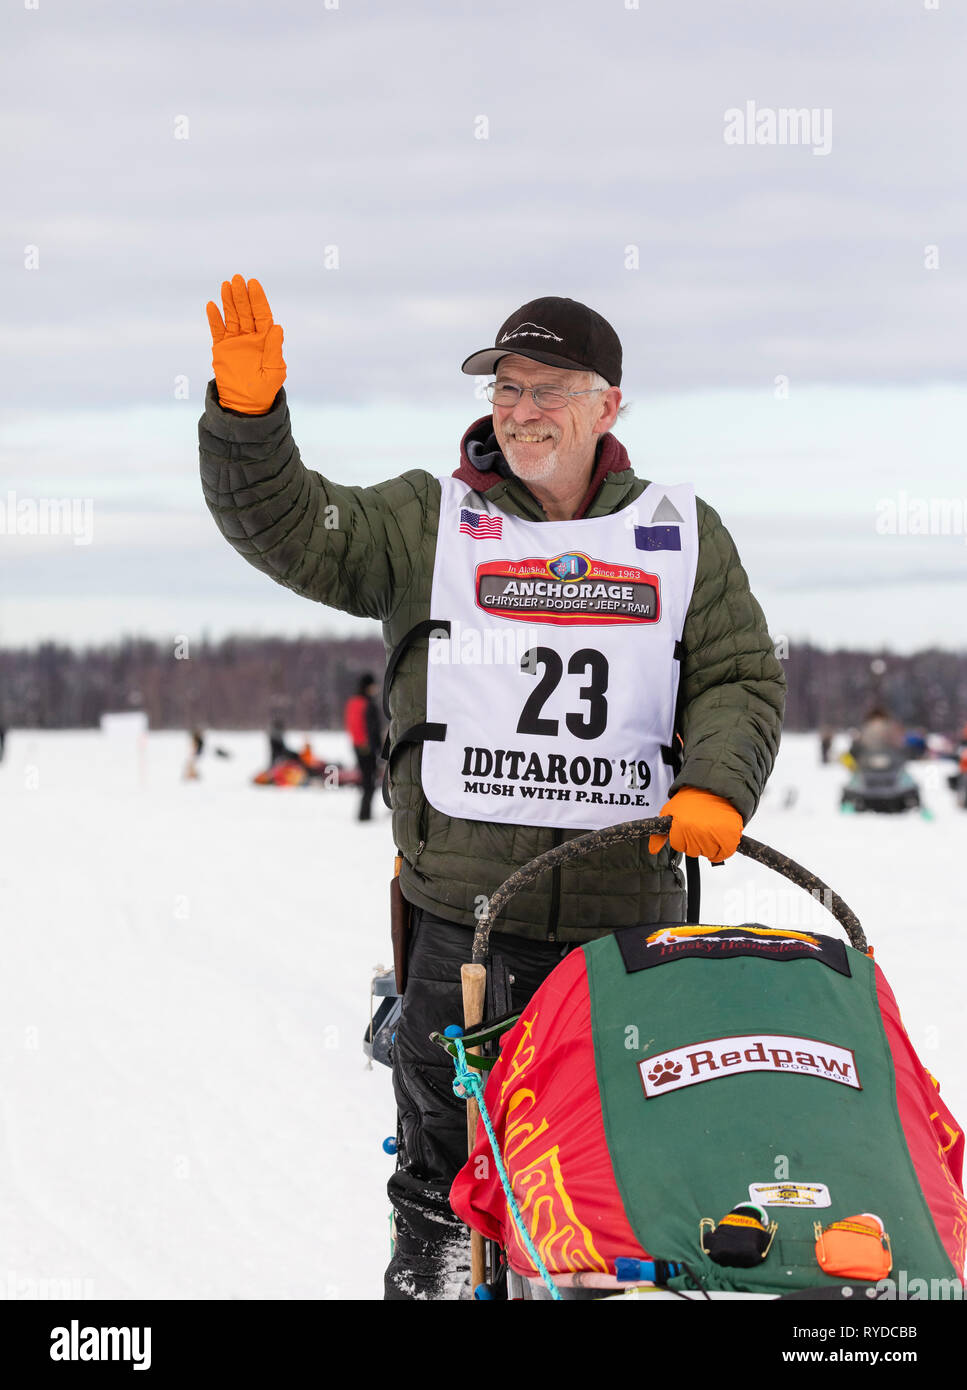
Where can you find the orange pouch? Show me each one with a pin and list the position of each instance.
(857, 1248)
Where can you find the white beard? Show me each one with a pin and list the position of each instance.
(530, 470)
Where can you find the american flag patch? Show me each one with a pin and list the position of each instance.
(480, 526)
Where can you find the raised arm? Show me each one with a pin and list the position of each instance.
(349, 547)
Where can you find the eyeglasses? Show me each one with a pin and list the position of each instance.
(505, 393)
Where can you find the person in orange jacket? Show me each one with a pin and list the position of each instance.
(361, 722)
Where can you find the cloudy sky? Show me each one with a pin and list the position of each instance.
(400, 176)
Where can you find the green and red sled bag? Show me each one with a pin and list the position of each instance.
(660, 1077)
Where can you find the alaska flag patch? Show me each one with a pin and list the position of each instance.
(658, 538)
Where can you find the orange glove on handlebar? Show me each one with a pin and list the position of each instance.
(702, 823)
(246, 348)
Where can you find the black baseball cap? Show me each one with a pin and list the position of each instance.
(560, 332)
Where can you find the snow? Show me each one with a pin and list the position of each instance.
(185, 1108)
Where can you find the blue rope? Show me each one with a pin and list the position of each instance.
(467, 1080)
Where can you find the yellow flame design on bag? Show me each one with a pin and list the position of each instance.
(564, 1243)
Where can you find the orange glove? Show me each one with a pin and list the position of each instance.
(703, 823)
(246, 348)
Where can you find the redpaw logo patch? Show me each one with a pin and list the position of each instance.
(570, 588)
(717, 1057)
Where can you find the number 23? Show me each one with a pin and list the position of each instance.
(589, 723)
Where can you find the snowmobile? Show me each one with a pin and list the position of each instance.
(880, 782)
(762, 1076)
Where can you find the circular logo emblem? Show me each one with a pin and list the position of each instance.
(569, 566)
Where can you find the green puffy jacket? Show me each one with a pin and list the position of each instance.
(370, 551)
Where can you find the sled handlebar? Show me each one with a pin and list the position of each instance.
(659, 825)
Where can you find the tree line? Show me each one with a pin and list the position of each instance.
(236, 683)
(246, 682)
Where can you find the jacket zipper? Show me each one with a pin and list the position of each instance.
(554, 914)
(421, 828)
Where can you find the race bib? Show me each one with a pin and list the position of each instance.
(558, 681)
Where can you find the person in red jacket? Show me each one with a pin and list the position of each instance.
(361, 722)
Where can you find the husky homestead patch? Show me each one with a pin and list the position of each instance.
(717, 1057)
(643, 947)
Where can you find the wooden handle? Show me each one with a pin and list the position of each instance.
(473, 980)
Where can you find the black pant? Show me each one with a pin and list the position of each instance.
(431, 1257)
(367, 768)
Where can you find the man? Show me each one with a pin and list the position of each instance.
(361, 722)
(568, 647)
(880, 733)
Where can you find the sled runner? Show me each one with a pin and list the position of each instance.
(709, 1111)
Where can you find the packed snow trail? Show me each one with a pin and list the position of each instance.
(185, 1109)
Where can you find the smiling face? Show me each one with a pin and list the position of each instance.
(541, 445)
